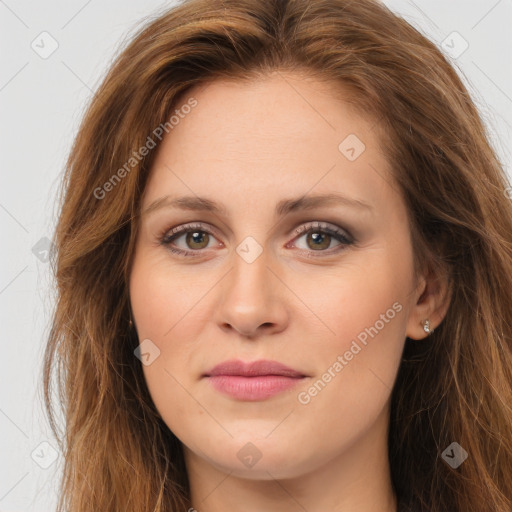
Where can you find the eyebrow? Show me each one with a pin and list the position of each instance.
(284, 207)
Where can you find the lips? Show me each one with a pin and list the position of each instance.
(253, 369)
(252, 381)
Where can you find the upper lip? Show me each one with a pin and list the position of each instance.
(253, 369)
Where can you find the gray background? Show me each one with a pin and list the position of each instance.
(41, 103)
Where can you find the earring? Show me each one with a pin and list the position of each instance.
(130, 323)
(426, 327)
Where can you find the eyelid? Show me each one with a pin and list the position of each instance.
(183, 228)
(170, 234)
(323, 226)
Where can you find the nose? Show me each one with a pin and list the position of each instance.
(252, 299)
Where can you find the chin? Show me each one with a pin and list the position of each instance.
(260, 458)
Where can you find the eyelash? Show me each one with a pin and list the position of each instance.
(312, 227)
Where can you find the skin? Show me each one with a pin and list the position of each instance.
(248, 146)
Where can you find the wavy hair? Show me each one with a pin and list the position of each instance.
(456, 385)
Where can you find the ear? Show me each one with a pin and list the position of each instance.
(433, 295)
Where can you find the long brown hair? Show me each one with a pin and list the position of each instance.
(455, 386)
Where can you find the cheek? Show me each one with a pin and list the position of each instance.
(362, 301)
(164, 297)
(357, 360)
(356, 367)
(169, 307)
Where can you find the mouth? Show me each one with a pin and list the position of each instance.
(253, 381)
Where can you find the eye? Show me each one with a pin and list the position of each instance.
(319, 236)
(196, 237)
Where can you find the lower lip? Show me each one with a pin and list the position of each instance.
(252, 388)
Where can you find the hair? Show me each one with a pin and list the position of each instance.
(456, 385)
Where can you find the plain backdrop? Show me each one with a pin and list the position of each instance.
(53, 56)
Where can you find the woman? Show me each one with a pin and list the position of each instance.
(284, 272)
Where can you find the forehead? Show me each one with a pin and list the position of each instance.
(281, 135)
(279, 103)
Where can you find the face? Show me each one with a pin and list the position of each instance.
(322, 286)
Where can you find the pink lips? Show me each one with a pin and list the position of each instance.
(252, 381)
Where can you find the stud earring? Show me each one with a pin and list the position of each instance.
(130, 323)
(426, 327)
